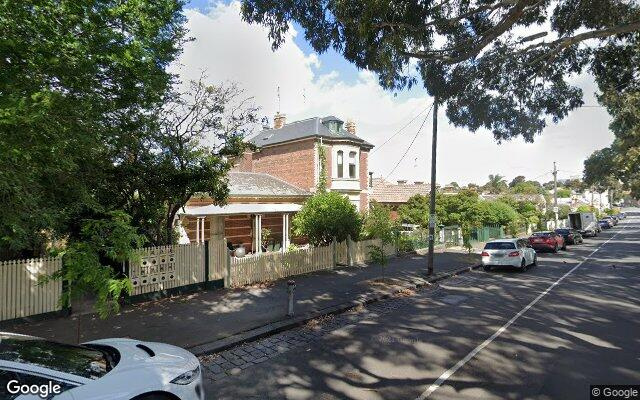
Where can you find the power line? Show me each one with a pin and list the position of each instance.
(412, 141)
(398, 131)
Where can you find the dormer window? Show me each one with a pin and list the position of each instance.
(334, 126)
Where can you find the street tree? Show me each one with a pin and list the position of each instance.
(499, 65)
(76, 78)
(516, 180)
(199, 131)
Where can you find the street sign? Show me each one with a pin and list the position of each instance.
(555, 209)
(432, 221)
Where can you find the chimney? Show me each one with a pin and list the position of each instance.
(402, 181)
(279, 120)
(418, 183)
(370, 179)
(350, 126)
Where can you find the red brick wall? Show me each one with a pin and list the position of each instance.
(245, 163)
(291, 162)
(364, 180)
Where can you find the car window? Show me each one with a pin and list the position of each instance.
(77, 360)
(541, 234)
(500, 246)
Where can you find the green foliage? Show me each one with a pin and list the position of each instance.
(325, 216)
(478, 56)
(77, 78)
(528, 188)
(563, 211)
(378, 224)
(564, 192)
(496, 184)
(266, 235)
(322, 178)
(377, 256)
(89, 261)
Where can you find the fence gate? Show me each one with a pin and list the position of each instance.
(451, 236)
(218, 253)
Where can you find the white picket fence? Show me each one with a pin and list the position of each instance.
(157, 269)
(21, 295)
(277, 265)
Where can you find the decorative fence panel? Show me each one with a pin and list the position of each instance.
(165, 267)
(271, 266)
(20, 294)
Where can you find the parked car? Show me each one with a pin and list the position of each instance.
(613, 220)
(547, 240)
(117, 369)
(570, 236)
(508, 252)
(605, 224)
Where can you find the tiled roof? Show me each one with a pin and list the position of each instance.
(243, 184)
(307, 128)
(387, 192)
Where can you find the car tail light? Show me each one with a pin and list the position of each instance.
(484, 254)
(550, 240)
(514, 254)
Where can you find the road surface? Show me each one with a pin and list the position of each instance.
(549, 333)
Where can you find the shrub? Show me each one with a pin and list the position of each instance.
(378, 224)
(325, 216)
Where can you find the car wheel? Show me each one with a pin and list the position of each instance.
(555, 249)
(486, 268)
(535, 260)
(564, 246)
(523, 265)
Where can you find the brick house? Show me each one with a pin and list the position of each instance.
(290, 151)
(256, 201)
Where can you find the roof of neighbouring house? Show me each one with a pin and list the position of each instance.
(388, 192)
(306, 128)
(255, 184)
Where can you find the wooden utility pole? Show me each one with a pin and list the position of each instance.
(432, 193)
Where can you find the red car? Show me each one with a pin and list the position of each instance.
(547, 240)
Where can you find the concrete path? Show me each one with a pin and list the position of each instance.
(204, 317)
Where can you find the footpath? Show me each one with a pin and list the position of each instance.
(215, 319)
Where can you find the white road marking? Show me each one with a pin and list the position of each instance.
(447, 374)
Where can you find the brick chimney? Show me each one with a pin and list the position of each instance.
(402, 181)
(279, 120)
(418, 183)
(350, 126)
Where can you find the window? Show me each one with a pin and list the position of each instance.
(352, 164)
(499, 246)
(340, 161)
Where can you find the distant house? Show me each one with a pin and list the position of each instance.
(393, 195)
(256, 201)
(290, 151)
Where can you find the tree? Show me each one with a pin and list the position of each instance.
(564, 192)
(494, 63)
(378, 223)
(326, 216)
(496, 184)
(77, 78)
(516, 180)
(199, 130)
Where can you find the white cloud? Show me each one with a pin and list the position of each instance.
(229, 49)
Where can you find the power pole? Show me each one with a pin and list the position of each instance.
(555, 194)
(432, 193)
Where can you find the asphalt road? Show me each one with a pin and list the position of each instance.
(548, 333)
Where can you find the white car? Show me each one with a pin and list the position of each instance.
(113, 369)
(508, 252)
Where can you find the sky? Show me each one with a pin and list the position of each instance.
(228, 49)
